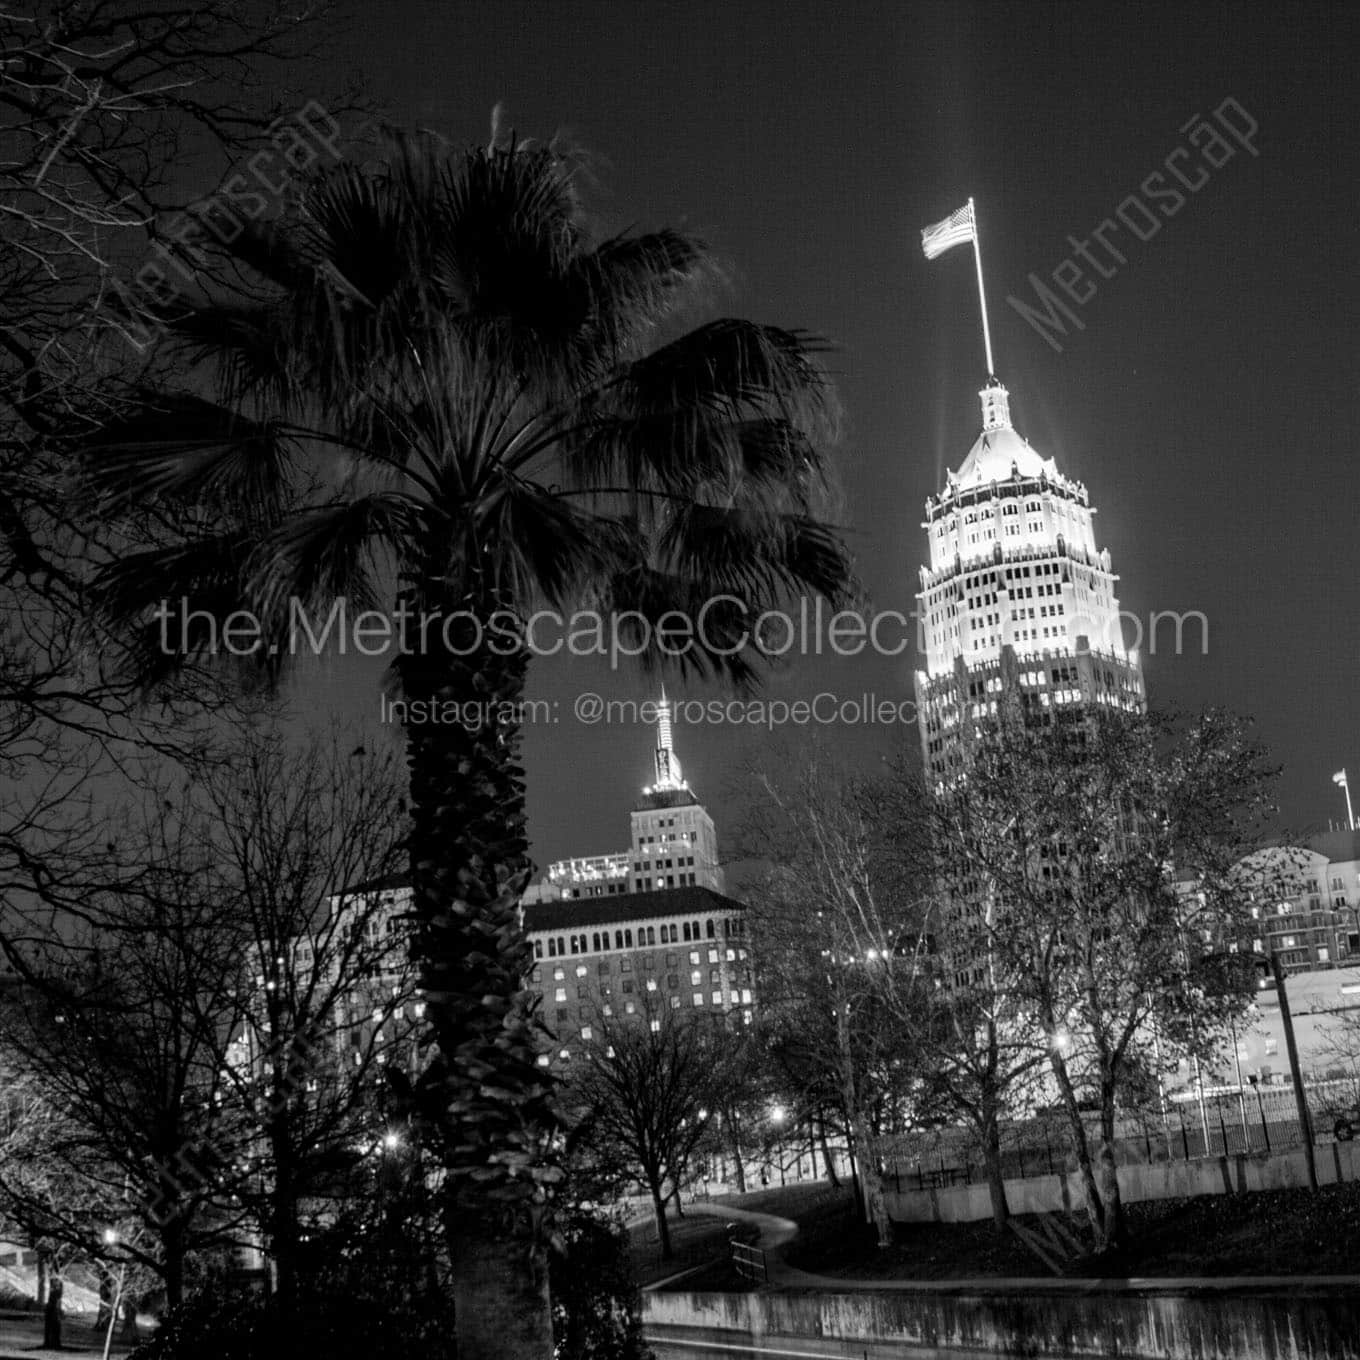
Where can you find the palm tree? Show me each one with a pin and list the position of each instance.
(435, 387)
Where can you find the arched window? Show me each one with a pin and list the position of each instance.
(628, 939)
(686, 932)
(712, 935)
(552, 949)
(595, 941)
(618, 939)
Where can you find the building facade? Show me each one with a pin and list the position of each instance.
(681, 949)
(1017, 603)
(1311, 915)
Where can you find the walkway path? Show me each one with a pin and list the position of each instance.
(776, 1233)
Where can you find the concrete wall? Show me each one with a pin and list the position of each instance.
(1267, 1320)
(1157, 1180)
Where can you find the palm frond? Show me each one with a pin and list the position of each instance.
(707, 408)
(357, 233)
(551, 550)
(329, 552)
(757, 552)
(180, 446)
(171, 603)
(738, 365)
(248, 344)
(636, 282)
(649, 605)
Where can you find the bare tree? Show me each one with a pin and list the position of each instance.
(128, 133)
(306, 840)
(1061, 845)
(109, 114)
(119, 1027)
(48, 1200)
(839, 934)
(647, 1086)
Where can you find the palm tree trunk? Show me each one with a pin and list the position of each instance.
(493, 1105)
(500, 1290)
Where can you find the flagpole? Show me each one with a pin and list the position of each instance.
(982, 294)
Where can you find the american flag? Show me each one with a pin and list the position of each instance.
(953, 231)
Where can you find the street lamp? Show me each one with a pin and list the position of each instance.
(777, 1116)
(1260, 1105)
(110, 1236)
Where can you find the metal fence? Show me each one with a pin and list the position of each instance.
(1184, 1132)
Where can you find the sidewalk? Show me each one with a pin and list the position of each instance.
(776, 1233)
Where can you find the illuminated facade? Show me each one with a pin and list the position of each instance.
(682, 949)
(674, 843)
(643, 930)
(1017, 604)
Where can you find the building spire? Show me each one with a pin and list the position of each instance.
(668, 773)
(996, 406)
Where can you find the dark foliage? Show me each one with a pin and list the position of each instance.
(595, 1297)
(358, 1312)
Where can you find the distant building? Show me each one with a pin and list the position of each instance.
(674, 844)
(1325, 1007)
(1311, 916)
(606, 930)
(645, 929)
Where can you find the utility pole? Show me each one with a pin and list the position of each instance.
(1305, 1124)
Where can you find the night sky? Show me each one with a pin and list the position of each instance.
(1208, 404)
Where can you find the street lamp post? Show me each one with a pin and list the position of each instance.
(1291, 1047)
(110, 1238)
(1241, 1097)
(1260, 1105)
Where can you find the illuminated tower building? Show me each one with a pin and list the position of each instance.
(1017, 607)
(674, 843)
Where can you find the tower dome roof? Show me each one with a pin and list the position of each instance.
(995, 453)
(999, 452)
